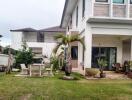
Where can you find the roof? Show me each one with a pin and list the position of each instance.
(67, 12)
(53, 29)
(24, 30)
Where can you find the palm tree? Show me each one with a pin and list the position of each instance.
(65, 41)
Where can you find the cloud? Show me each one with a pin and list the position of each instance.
(28, 13)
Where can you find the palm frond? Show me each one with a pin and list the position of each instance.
(57, 47)
(59, 36)
(77, 38)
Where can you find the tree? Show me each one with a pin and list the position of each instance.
(6, 50)
(24, 56)
(65, 41)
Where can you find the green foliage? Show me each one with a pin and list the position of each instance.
(24, 56)
(102, 62)
(6, 50)
(64, 40)
(91, 72)
(130, 64)
(56, 61)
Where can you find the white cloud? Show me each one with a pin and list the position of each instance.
(28, 13)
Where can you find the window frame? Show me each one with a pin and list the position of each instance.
(119, 2)
(130, 1)
(74, 58)
(83, 8)
(102, 1)
(40, 37)
(77, 16)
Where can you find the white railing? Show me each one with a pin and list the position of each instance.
(110, 9)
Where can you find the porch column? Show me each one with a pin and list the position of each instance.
(88, 47)
(131, 51)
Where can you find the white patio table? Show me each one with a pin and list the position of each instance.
(36, 69)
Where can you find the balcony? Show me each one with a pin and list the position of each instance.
(101, 10)
(112, 10)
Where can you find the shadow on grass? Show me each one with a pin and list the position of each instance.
(74, 76)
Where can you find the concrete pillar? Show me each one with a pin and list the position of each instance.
(131, 51)
(119, 52)
(88, 46)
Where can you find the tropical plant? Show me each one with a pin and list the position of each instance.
(24, 56)
(54, 60)
(65, 41)
(6, 50)
(102, 63)
(91, 72)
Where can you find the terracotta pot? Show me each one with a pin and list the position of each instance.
(102, 75)
(68, 70)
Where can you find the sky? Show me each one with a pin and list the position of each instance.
(38, 14)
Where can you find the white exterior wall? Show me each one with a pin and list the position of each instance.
(31, 39)
(46, 47)
(4, 59)
(108, 41)
(81, 20)
(110, 35)
(30, 36)
(16, 40)
(49, 37)
(111, 29)
(126, 51)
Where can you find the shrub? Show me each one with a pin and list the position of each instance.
(55, 61)
(91, 72)
(24, 56)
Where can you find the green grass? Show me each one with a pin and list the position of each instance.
(18, 88)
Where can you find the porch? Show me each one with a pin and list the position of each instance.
(114, 48)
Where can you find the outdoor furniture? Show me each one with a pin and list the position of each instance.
(49, 69)
(24, 70)
(36, 69)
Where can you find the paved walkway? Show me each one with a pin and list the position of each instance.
(113, 75)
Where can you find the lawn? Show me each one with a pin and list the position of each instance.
(20, 88)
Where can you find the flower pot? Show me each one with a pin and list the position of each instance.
(68, 70)
(102, 75)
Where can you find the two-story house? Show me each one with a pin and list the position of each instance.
(104, 25)
(40, 41)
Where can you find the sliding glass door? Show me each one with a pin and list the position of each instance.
(107, 53)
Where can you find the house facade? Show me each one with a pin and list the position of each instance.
(40, 41)
(106, 28)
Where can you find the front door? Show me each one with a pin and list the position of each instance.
(108, 53)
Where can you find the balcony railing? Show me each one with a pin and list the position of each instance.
(119, 10)
(130, 11)
(101, 10)
(112, 10)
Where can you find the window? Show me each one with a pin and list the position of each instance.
(101, 0)
(118, 1)
(68, 29)
(77, 16)
(74, 52)
(40, 37)
(130, 1)
(83, 8)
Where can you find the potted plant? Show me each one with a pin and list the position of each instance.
(102, 63)
(65, 41)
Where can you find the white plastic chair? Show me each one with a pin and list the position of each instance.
(24, 70)
(49, 70)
